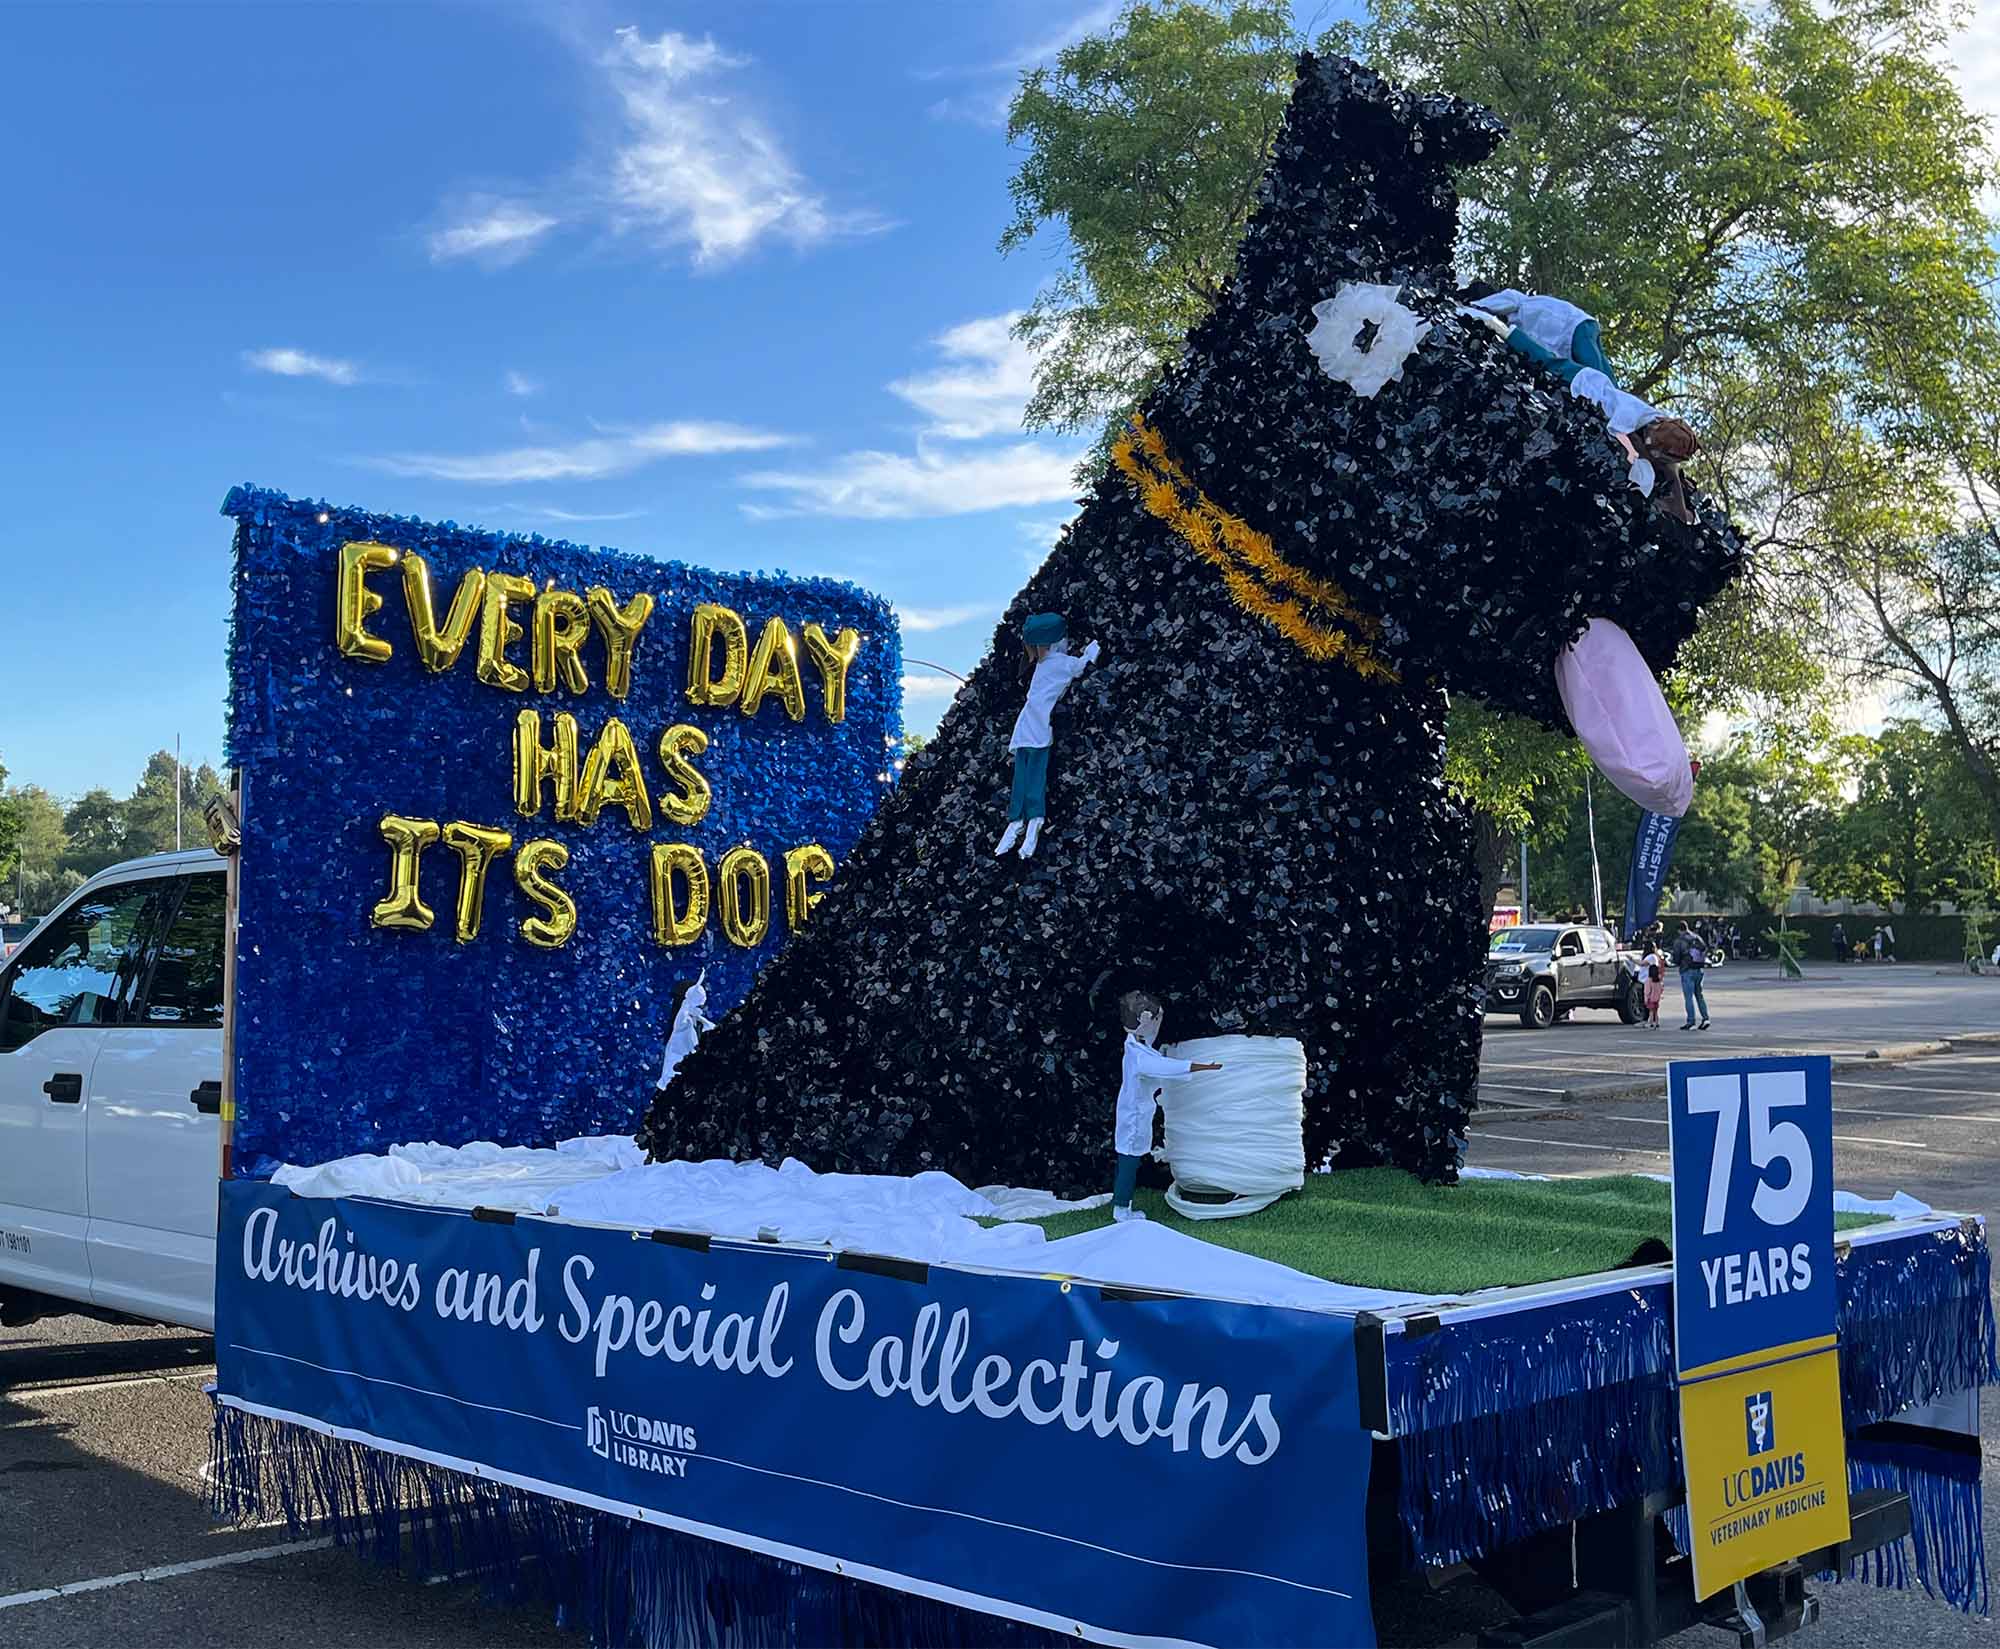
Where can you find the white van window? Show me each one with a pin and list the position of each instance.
(186, 984)
(81, 971)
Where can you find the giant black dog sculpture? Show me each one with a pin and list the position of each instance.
(1247, 810)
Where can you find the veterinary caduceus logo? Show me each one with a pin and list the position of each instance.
(1757, 1423)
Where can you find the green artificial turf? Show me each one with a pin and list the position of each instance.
(1382, 1228)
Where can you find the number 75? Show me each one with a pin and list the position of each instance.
(1722, 1098)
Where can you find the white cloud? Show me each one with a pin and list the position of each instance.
(698, 168)
(921, 620)
(611, 453)
(1975, 60)
(887, 486)
(688, 164)
(298, 363)
(987, 102)
(519, 383)
(985, 389)
(930, 687)
(497, 232)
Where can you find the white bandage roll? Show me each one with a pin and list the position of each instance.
(1238, 1132)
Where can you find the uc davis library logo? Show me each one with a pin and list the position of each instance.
(1757, 1426)
(639, 1441)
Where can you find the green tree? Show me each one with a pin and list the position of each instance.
(149, 810)
(10, 830)
(1144, 146)
(41, 874)
(1914, 834)
(95, 823)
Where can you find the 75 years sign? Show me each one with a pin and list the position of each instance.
(1755, 1345)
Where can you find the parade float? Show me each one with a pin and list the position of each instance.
(775, 1350)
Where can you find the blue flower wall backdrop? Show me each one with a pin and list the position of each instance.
(502, 796)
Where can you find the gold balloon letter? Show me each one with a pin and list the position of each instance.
(437, 646)
(562, 623)
(711, 621)
(741, 865)
(833, 658)
(803, 866)
(558, 923)
(774, 667)
(355, 601)
(673, 927)
(407, 839)
(611, 776)
(498, 631)
(535, 761)
(477, 848)
(620, 627)
(677, 743)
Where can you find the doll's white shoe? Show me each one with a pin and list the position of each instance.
(1008, 838)
(1028, 841)
(1121, 1215)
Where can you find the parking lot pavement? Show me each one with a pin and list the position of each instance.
(104, 1472)
(1848, 1012)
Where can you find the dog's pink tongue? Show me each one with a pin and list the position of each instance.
(1622, 718)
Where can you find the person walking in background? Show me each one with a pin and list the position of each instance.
(1838, 939)
(1876, 942)
(1654, 975)
(1690, 958)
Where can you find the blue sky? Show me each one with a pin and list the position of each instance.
(708, 282)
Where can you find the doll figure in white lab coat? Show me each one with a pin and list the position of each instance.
(1139, 1081)
(1054, 667)
(689, 1023)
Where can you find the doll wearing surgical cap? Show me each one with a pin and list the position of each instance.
(1054, 667)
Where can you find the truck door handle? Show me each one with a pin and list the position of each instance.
(65, 1088)
(207, 1099)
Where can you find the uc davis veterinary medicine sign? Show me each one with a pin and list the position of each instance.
(501, 797)
(1754, 1312)
(1035, 1449)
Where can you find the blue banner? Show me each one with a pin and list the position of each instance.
(1646, 881)
(1130, 1469)
(1753, 1205)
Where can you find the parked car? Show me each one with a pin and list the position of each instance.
(11, 935)
(1543, 970)
(111, 1098)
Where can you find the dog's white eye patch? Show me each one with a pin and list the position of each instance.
(1362, 335)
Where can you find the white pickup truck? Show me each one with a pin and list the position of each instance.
(111, 1098)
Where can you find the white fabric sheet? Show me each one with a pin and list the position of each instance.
(1240, 1129)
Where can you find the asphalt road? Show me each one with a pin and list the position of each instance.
(104, 1431)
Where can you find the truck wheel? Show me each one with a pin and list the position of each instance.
(1540, 1012)
(1631, 1005)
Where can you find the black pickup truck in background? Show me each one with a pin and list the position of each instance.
(1542, 970)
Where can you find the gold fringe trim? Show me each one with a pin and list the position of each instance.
(1304, 608)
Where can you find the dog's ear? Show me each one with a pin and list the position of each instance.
(1360, 186)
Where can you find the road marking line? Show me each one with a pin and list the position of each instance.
(168, 1571)
(1909, 1088)
(1570, 1144)
(1914, 1116)
(1847, 1139)
(44, 1388)
(1522, 1088)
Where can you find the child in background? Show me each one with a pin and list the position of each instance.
(1655, 969)
(1143, 1071)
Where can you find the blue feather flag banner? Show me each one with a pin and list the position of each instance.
(502, 798)
(1646, 881)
